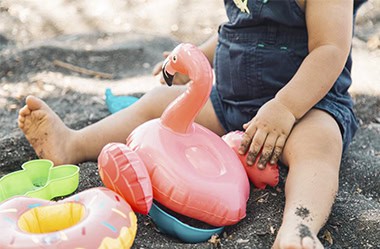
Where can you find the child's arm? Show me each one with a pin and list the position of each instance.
(329, 25)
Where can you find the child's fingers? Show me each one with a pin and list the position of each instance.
(157, 68)
(280, 143)
(256, 145)
(267, 150)
(246, 140)
(245, 126)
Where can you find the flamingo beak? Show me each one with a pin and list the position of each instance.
(167, 77)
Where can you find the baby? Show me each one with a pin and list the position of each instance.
(282, 73)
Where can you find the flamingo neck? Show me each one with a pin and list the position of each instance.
(180, 114)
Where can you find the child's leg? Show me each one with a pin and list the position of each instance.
(313, 153)
(52, 139)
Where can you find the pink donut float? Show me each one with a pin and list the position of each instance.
(95, 218)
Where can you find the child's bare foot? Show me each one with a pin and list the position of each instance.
(46, 132)
(298, 237)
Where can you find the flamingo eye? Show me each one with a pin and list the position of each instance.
(174, 58)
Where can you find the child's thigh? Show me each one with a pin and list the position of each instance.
(315, 139)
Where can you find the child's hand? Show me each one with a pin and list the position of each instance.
(179, 79)
(268, 131)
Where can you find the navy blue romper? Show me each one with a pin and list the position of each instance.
(259, 50)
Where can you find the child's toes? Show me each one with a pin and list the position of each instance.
(24, 111)
(21, 121)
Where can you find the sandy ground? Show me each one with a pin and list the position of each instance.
(125, 39)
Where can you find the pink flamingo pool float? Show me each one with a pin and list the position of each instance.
(190, 170)
(182, 165)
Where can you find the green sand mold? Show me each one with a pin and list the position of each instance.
(40, 179)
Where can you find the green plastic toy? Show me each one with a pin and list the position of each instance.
(39, 179)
